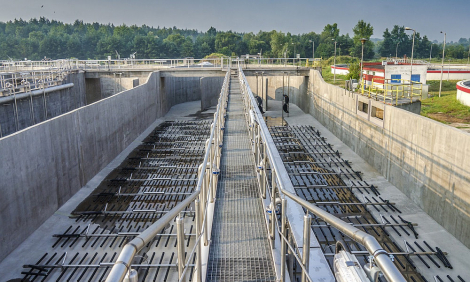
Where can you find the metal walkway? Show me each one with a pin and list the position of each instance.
(240, 248)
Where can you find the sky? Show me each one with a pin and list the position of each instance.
(428, 17)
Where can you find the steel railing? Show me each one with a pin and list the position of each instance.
(203, 195)
(12, 83)
(266, 153)
(392, 90)
(127, 63)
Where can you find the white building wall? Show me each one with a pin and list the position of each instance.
(405, 71)
(449, 75)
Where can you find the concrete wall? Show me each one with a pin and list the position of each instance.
(33, 112)
(42, 166)
(427, 160)
(210, 91)
(294, 86)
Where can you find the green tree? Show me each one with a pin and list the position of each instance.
(362, 30)
(187, 48)
(226, 42)
(354, 71)
(387, 46)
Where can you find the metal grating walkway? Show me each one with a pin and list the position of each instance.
(240, 250)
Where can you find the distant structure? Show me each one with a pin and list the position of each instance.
(463, 92)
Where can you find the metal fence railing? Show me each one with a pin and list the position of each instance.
(12, 83)
(266, 154)
(128, 63)
(393, 91)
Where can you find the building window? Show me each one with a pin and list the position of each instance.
(415, 77)
(363, 107)
(396, 78)
(377, 113)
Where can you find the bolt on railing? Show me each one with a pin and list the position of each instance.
(204, 193)
(282, 184)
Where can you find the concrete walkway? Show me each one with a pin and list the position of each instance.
(240, 248)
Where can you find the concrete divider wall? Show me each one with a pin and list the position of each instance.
(210, 91)
(427, 160)
(295, 86)
(42, 166)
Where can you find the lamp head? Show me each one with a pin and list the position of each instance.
(408, 28)
(363, 40)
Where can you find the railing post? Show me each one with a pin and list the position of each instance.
(215, 175)
(273, 208)
(306, 246)
(180, 245)
(199, 220)
(205, 188)
(283, 242)
(202, 193)
(265, 164)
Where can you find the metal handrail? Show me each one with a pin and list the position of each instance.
(203, 190)
(24, 82)
(392, 89)
(281, 179)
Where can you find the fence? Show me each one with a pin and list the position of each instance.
(392, 90)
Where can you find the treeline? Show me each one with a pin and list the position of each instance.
(38, 39)
(397, 42)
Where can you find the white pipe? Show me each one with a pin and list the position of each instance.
(35, 93)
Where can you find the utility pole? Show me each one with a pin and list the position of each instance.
(430, 54)
(363, 40)
(412, 49)
(334, 63)
(313, 51)
(442, 65)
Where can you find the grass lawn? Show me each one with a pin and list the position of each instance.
(329, 77)
(446, 109)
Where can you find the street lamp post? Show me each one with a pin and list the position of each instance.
(396, 51)
(286, 53)
(313, 51)
(294, 54)
(334, 62)
(363, 40)
(468, 57)
(430, 54)
(412, 49)
(313, 48)
(448, 69)
(442, 65)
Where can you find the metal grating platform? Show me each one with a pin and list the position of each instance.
(240, 250)
(160, 173)
(320, 175)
